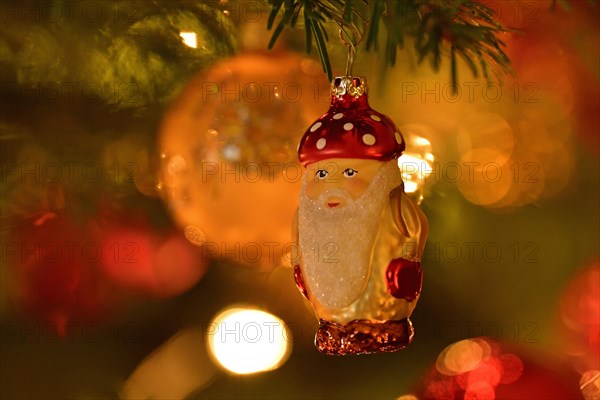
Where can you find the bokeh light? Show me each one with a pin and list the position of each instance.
(489, 371)
(417, 162)
(486, 130)
(173, 371)
(512, 164)
(480, 390)
(246, 341)
(460, 357)
(190, 39)
(407, 397)
(580, 316)
(485, 181)
(127, 256)
(147, 262)
(512, 368)
(590, 385)
(472, 369)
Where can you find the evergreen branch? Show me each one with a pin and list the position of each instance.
(308, 30)
(316, 14)
(567, 4)
(348, 12)
(318, 32)
(453, 68)
(374, 28)
(467, 28)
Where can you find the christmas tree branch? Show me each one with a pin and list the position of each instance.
(463, 28)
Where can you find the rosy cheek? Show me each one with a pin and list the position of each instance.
(357, 187)
(314, 189)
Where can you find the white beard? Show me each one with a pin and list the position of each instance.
(336, 244)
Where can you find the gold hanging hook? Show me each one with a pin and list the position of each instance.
(347, 85)
(351, 50)
(353, 40)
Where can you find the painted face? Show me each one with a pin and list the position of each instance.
(348, 174)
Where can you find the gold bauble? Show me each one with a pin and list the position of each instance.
(228, 165)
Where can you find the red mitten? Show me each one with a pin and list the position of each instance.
(404, 279)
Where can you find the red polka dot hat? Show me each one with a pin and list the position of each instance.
(351, 128)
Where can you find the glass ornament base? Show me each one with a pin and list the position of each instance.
(363, 336)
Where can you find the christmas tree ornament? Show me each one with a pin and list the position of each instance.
(228, 167)
(360, 237)
(56, 278)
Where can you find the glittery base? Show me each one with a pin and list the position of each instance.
(363, 336)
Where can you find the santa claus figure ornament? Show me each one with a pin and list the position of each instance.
(360, 237)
